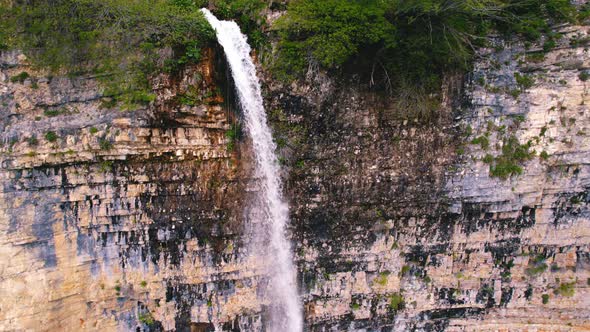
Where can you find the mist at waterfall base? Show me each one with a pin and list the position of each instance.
(285, 309)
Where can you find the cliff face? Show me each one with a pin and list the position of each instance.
(402, 226)
(115, 219)
(122, 218)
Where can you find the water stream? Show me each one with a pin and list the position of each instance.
(285, 308)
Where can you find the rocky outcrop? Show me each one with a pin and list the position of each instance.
(118, 219)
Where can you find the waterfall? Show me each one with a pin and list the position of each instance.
(285, 310)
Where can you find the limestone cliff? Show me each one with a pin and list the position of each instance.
(405, 226)
(113, 219)
(119, 220)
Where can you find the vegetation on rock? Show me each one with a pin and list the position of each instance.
(397, 44)
(536, 266)
(396, 301)
(513, 155)
(20, 78)
(51, 136)
(413, 41)
(146, 318)
(566, 289)
(124, 43)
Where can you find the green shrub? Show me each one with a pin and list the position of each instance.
(20, 78)
(575, 199)
(509, 162)
(536, 266)
(106, 166)
(524, 81)
(549, 44)
(583, 76)
(543, 131)
(566, 289)
(93, 130)
(518, 119)
(544, 155)
(105, 144)
(483, 141)
(300, 164)
(382, 278)
(405, 269)
(234, 133)
(515, 93)
(108, 102)
(545, 298)
(146, 318)
(395, 42)
(51, 136)
(53, 113)
(534, 17)
(535, 57)
(583, 13)
(396, 301)
(33, 141)
(536, 269)
(142, 97)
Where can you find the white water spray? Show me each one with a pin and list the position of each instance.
(286, 312)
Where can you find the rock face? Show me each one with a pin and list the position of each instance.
(119, 220)
(401, 225)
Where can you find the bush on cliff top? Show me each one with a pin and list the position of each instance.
(404, 40)
(125, 42)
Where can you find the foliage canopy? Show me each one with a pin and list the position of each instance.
(409, 40)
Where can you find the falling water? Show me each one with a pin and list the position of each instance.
(285, 308)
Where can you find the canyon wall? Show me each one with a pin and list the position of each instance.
(116, 219)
